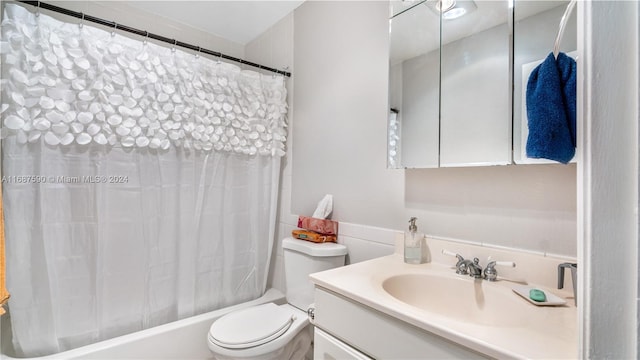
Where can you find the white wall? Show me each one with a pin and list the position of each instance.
(339, 130)
(339, 139)
(608, 179)
(275, 48)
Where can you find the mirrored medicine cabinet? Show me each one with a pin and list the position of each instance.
(456, 74)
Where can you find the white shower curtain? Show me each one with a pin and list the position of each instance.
(140, 183)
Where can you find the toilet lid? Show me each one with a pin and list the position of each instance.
(250, 327)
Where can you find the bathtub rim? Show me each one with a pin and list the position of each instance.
(271, 295)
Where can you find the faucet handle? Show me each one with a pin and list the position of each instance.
(450, 253)
(502, 263)
(461, 268)
(490, 272)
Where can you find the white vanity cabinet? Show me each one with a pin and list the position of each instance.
(346, 329)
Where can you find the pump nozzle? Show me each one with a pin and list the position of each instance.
(412, 224)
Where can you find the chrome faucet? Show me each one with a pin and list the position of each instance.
(466, 267)
(473, 268)
(469, 267)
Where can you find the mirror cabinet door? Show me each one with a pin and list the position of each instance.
(475, 114)
(414, 72)
(535, 30)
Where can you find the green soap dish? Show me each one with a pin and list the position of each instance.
(537, 295)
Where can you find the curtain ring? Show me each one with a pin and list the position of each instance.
(81, 24)
(175, 42)
(219, 61)
(198, 53)
(284, 71)
(146, 38)
(115, 27)
(38, 10)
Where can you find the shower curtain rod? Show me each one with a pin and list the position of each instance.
(147, 34)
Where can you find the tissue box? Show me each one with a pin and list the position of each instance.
(313, 236)
(321, 226)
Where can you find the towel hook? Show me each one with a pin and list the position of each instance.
(563, 24)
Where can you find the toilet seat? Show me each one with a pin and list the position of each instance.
(251, 327)
(271, 343)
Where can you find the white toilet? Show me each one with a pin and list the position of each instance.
(271, 331)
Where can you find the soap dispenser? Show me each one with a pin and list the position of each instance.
(413, 241)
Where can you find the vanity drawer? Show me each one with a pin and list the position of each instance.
(326, 347)
(378, 335)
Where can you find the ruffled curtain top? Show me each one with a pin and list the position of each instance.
(71, 85)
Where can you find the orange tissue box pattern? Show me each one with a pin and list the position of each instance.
(320, 226)
(313, 236)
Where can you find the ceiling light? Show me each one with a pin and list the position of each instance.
(454, 13)
(451, 9)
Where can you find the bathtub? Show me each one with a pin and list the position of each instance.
(182, 339)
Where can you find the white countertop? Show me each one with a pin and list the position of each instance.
(549, 332)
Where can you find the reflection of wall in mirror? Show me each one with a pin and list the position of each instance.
(534, 37)
(485, 82)
(414, 91)
(420, 104)
(475, 124)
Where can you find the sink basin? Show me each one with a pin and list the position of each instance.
(462, 299)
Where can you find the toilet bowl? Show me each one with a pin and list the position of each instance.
(264, 332)
(270, 331)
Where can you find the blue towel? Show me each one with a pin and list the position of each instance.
(551, 109)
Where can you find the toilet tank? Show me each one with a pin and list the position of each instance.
(302, 258)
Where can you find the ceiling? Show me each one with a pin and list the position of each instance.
(238, 21)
